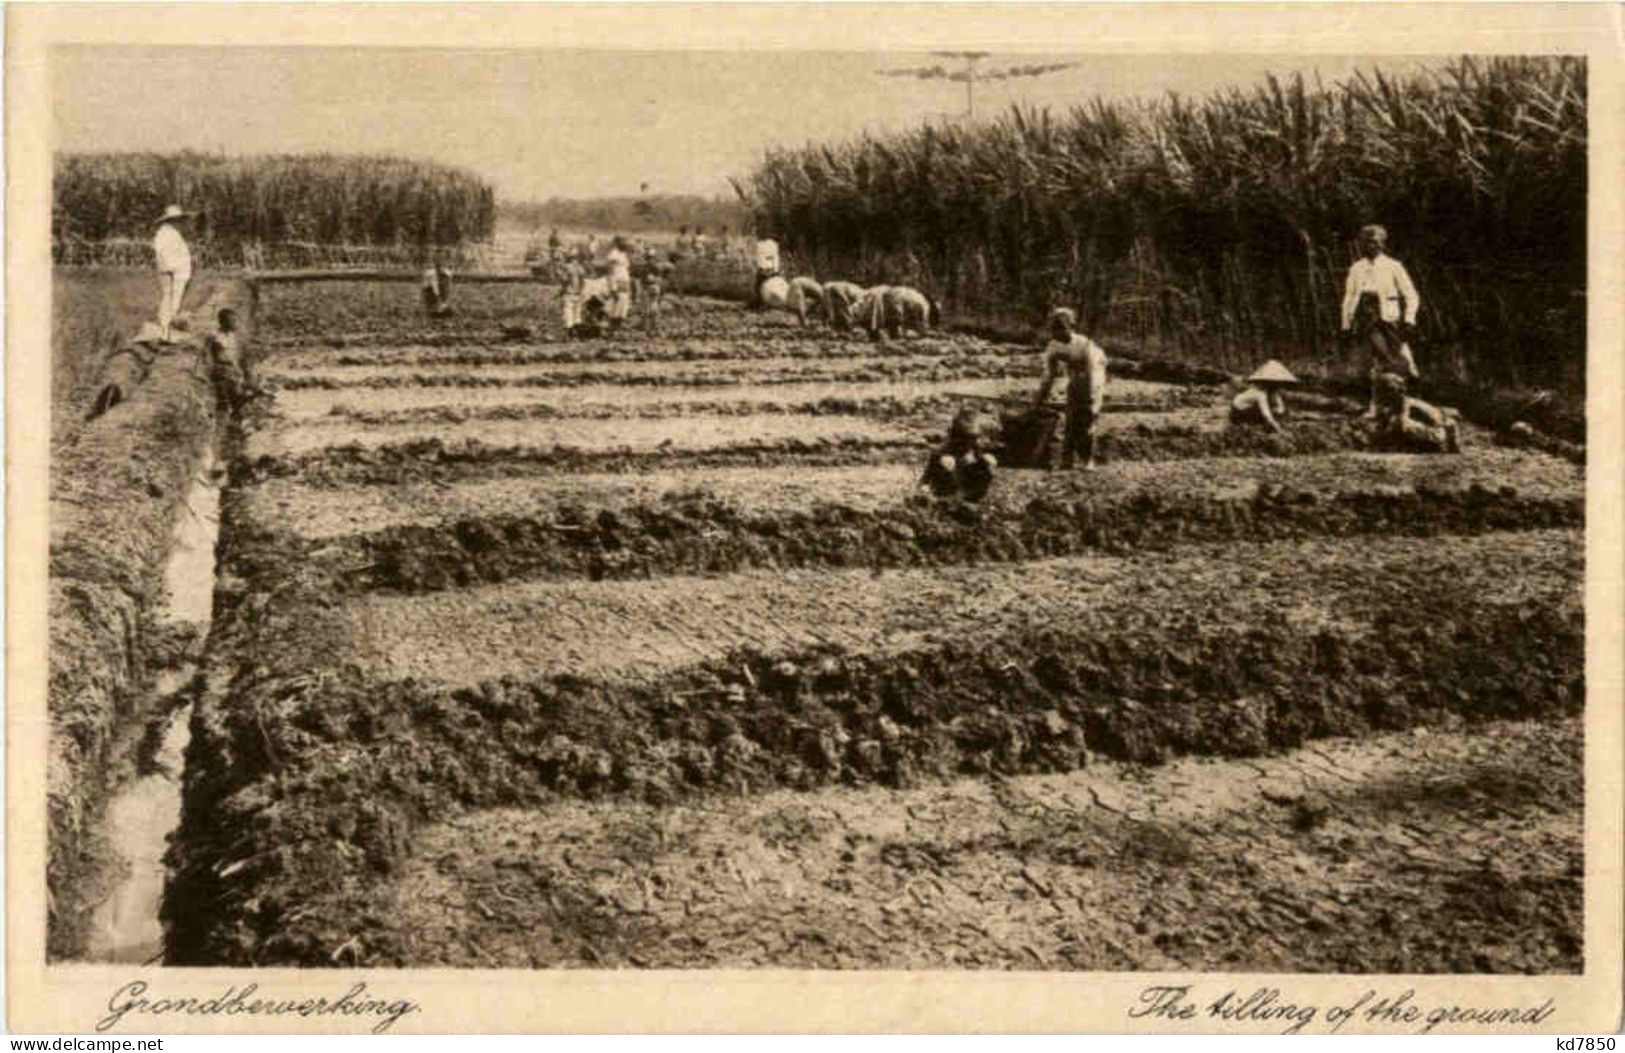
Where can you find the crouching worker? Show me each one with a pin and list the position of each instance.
(840, 303)
(960, 468)
(1405, 423)
(1262, 404)
(225, 360)
(767, 267)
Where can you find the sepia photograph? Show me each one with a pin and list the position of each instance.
(933, 509)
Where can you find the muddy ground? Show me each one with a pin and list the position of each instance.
(1330, 858)
(474, 678)
(118, 484)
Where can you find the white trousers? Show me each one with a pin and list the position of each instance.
(171, 291)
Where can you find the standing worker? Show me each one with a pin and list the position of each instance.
(1084, 362)
(572, 280)
(174, 267)
(619, 266)
(437, 288)
(1379, 311)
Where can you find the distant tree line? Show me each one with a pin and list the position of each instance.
(1221, 227)
(630, 214)
(327, 199)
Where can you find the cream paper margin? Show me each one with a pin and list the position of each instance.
(70, 998)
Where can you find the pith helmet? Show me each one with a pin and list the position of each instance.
(172, 212)
(1272, 372)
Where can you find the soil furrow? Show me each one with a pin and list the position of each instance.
(423, 538)
(1315, 582)
(706, 373)
(1085, 886)
(884, 399)
(370, 718)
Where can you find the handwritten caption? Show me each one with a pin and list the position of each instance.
(1269, 1005)
(133, 1000)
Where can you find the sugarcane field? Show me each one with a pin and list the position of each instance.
(1091, 534)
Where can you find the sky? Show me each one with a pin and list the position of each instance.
(572, 123)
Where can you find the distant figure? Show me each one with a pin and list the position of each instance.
(554, 242)
(225, 361)
(174, 267)
(1410, 424)
(1084, 362)
(839, 300)
(1379, 311)
(908, 310)
(654, 293)
(767, 266)
(802, 296)
(573, 277)
(437, 289)
(870, 311)
(960, 468)
(618, 265)
(1262, 403)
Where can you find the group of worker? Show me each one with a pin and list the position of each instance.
(597, 296)
(1379, 309)
(879, 310)
(1378, 320)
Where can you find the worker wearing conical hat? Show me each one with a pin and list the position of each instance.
(174, 266)
(1261, 402)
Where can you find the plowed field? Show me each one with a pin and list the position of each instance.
(647, 651)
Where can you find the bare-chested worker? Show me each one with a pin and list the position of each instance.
(1407, 423)
(840, 299)
(1084, 363)
(908, 310)
(870, 311)
(1262, 402)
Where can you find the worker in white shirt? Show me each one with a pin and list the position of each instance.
(619, 265)
(1084, 363)
(174, 267)
(1379, 311)
(767, 266)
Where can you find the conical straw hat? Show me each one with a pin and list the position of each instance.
(1272, 372)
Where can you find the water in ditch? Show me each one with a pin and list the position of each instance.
(143, 814)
